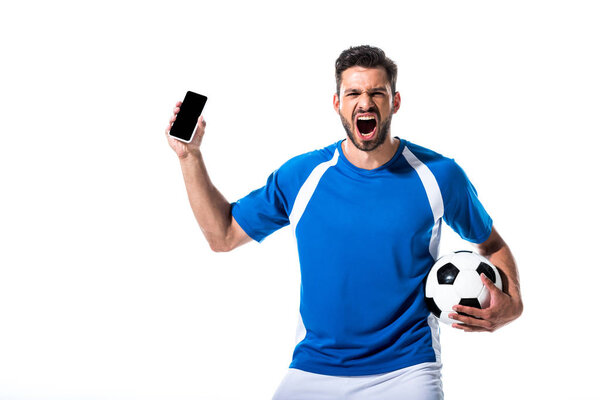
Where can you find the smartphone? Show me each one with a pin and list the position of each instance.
(187, 118)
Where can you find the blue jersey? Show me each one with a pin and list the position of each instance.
(366, 241)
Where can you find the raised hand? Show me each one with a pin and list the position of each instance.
(183, 149)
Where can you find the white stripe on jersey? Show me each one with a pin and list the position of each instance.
(308, 188)
(434, 195)
(302, 198)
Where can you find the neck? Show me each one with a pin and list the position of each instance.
(371, 159)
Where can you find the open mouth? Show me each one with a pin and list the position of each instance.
(366, 125)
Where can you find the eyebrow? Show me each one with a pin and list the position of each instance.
(377, 89)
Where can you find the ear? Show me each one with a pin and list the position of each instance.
(396, 102)
(336, 103)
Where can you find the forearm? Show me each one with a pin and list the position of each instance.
(501, 256)
(211, 209)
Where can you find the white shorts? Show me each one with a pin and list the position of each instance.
(418, 382)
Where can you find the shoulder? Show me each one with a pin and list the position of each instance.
(445, 169)
(303, 164)
(431, 158)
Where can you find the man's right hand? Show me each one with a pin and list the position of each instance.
(183, 149)
(210, 207)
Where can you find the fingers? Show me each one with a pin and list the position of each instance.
(175, 111)
(472, 319)
(489, 284)
(170, 124)
(469, 311)
(489, 319)
(468, 319)
(469, 328)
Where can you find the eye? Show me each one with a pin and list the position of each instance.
(351, 94)
(378, 93)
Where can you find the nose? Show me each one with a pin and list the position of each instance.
(365, 102)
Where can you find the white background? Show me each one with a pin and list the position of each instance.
(108, 289)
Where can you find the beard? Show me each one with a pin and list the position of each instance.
(382, 133)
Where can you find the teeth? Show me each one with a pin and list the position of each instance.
(366, 117)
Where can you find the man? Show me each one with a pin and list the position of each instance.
(366, 213)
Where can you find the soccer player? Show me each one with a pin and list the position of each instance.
(366, 212)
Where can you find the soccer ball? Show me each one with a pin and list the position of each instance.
(455, 279)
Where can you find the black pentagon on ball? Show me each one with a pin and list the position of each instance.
(469, 303)
(433, 307)
(487, 270)
(447, 274)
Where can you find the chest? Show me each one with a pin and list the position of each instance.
(393, 205)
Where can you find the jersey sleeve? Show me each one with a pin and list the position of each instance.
(463, 211)
(262, 211)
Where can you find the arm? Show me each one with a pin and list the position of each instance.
(505, 306)
(211, 209)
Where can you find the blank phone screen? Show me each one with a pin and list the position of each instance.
(187, 117)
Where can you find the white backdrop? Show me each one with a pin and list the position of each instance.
(108, 289)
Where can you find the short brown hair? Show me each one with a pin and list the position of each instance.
(367, 57)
